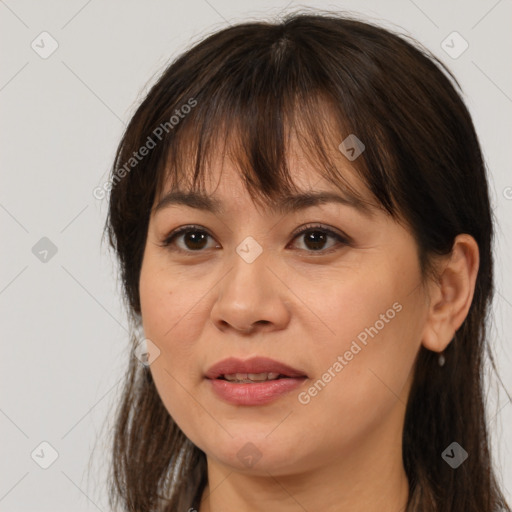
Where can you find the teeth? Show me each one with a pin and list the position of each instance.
(251, 377)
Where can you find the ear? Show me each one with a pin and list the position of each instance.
(451, 295)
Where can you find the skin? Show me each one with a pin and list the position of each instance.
(342, 450)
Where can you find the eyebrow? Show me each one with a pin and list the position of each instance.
(288, 204)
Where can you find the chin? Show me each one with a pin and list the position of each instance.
(257, 453)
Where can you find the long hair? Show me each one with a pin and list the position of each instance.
(248, 88)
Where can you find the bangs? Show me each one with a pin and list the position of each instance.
(260, 129)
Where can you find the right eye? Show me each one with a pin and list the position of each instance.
(188, 239)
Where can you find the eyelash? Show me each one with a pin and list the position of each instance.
(342, 239)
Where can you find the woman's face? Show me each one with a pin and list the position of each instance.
(348, 316)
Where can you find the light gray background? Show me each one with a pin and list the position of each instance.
(64, 329)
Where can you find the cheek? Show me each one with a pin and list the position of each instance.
(167, 308)
(169, 299)
(361, 305)
(364, 366)
(173, 308)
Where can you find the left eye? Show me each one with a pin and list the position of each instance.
(195, 239)
(315, 238)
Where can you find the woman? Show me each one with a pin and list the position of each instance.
(301, 214)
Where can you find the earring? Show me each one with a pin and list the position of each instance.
(441, 359)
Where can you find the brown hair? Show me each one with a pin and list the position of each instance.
(254, 84)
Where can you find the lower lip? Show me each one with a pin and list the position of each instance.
(254, 394)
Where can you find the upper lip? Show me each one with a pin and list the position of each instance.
(254, 365)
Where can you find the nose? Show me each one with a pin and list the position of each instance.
(251, 298)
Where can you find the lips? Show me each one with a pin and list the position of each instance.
(254, 365)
